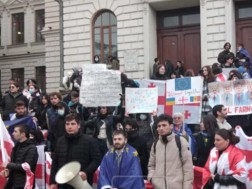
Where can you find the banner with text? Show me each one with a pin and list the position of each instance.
(235, 95)
(184, 95)
(100, 88)
(141, 100)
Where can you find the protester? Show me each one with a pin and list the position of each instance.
(217, 71)
(52, 116)
(169, 68)
(29, 82)
(75, 146)
(170, 165)
(155, 66)
(44, 106)
(34, 100)
(205, 140)
(220, 113)
(102, 126)
(179, 70)
(160, 74)
(9, 100)
(226, 165)
(20, 111)
(208, 76)
(138, 142)
(24, 158)
(222, 57)
(120, 167)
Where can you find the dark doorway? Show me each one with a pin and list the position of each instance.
(179, 37)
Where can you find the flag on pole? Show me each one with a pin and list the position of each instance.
(48, 169)
(6, 147)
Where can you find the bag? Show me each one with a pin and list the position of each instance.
(209, 185)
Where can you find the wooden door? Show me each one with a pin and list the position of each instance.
(180, 44)
(244, 34)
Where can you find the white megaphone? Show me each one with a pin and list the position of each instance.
(69, 174)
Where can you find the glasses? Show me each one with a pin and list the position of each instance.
(12, 87)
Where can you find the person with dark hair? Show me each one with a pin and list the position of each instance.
(222, 57)
(137, 142)
(29, 82)
(20, 111)
(205, 140)
(234, 75)
(242, 56)
(120, 167)
(220, 113)
(208, 77)
(75, 146)
(189, 73)
(173, 75)
(155, 66)
(54, 115)
(34, 100)
(226, 165)
(24, 158)
(168, 68)
(36, 136)
(229, 62)
(102, 126)
(217, 71)
(160, 74)
(45, 104)
(9, 100)
(180, 70)
(167, 158)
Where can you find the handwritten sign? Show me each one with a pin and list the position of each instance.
(141, 100)
(100, 88)
(93, 67)
(130, 60)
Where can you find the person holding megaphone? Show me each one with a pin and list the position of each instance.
(75, 146)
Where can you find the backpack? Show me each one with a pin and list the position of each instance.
(178, 143)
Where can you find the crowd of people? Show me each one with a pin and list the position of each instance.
(114, 140)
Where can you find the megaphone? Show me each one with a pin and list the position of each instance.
(69, 174)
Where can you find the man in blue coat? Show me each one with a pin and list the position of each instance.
(120, 167)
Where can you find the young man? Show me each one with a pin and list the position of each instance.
(20, 111)
(75, 146)
(170, 167)
(24, 158)
(220, 112)
(120, 167)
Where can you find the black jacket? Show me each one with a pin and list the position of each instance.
(79, 147)
(21, 153)
(8, 104)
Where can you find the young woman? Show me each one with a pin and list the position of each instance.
(226, 165)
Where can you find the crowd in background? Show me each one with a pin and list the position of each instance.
(50, 110)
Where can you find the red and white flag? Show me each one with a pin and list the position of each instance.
(6, 147)
(48, 169)
(245, 145)
(40, 168)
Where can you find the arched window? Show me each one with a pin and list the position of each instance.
(105, 36)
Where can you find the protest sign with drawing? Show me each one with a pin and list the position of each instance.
(141, 100)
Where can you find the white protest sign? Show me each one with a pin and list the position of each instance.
(100, 88)
(93, 67)
(141, 100)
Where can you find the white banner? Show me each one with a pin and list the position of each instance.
(100, 88)
(235, 95)
(141, 100)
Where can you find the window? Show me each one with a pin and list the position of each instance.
(245, 12)
(105, 36)
(40, 23)
(18, 28)
(41, 77)
(18, 76)
(178, 18)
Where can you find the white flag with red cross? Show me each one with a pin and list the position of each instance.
(48, 169)
(40, 168)
(245, 145)
(178, 96)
